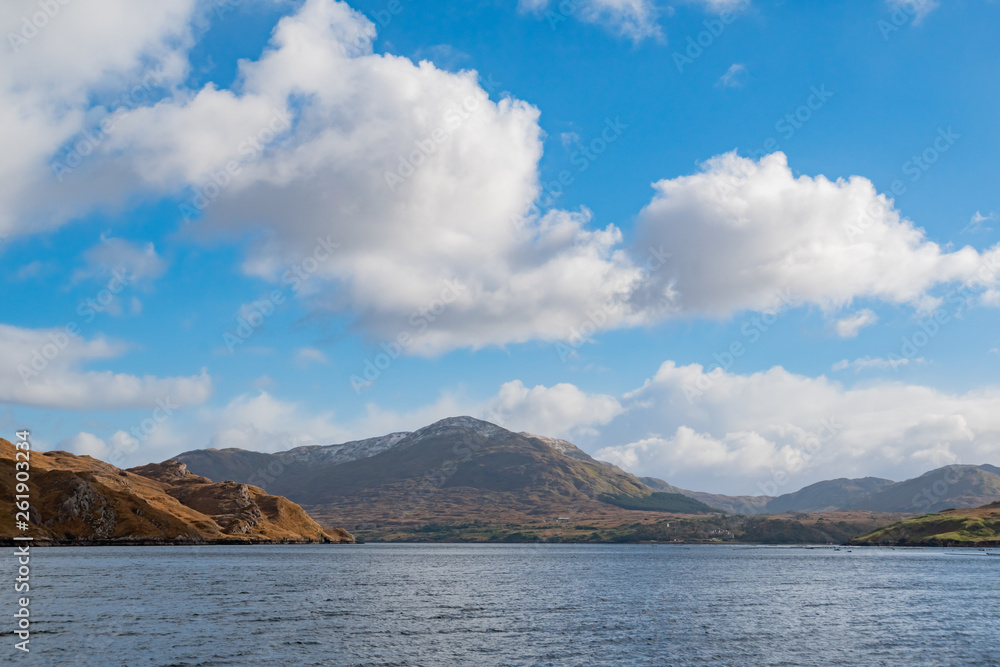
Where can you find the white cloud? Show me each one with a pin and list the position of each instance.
(735, 433)
(865, 363)
(85, 444)
(562, 410)
(265, 423)
(848, 327)
(743, 230)
(114, 256)
(734, 77)
(43, 368)
(634, 19)
(978, 222)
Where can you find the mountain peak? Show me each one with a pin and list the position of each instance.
(463, 423)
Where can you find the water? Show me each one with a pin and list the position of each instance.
(513, 605)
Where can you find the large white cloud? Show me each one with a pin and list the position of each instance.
(422, 180)
(45, 368)
(742, 231)
(777, 431)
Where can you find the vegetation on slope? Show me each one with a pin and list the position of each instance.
(659, 502)
(978, 527)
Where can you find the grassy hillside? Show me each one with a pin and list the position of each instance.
(966, 527)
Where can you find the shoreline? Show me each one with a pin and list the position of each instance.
(8, 542)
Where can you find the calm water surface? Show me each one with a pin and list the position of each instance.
(513, 605)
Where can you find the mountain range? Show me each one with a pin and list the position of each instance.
(471, 473)
(459, 470)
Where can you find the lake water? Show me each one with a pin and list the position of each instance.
(461, 604)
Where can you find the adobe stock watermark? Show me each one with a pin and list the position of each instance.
(656, 259)
(294, 278)
(420, 321)
(452, 119)
(904, 12)
(59, 340)
(32, 25)
(248, 150)
(714, 27)
(915, 167)
(802, 114)
(750, 332)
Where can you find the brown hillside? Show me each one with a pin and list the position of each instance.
(81, 500)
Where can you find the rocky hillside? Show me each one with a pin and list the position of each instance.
(80, 500)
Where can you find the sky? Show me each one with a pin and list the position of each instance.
(742, 246)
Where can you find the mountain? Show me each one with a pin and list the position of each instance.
(730, 504)
(958, 486)
(955, 486)
(80, 500)
(458, 471)
(979, 527)
(826, 495)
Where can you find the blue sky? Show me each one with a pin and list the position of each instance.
(843, 156)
